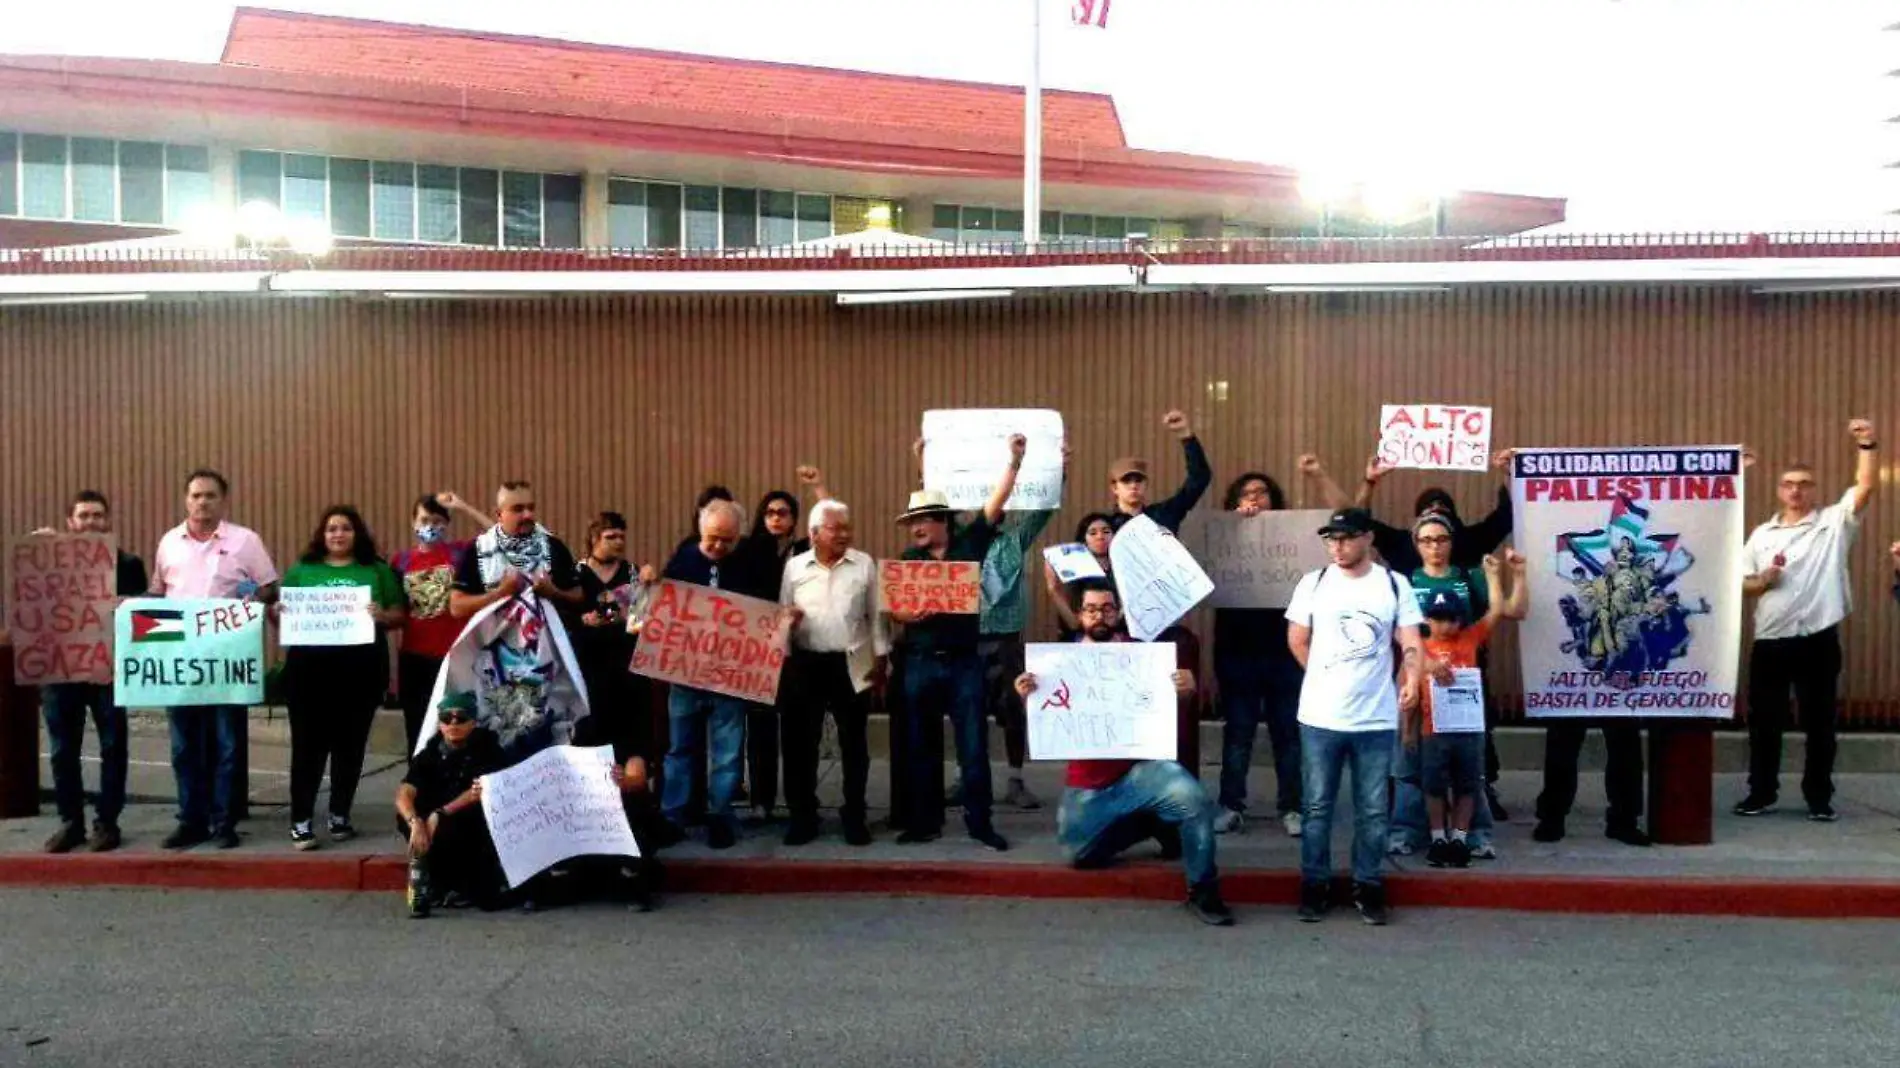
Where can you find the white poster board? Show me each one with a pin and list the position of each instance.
(1101, 701)
(1458, 708)
(1255, 561)
(1072, 562)
(1445, 437)
(324, 615)
(553, 806)
(966, 450)
(1157, 577)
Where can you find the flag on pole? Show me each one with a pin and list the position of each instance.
(1090, 13)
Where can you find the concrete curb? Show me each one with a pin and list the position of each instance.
(1143, 881)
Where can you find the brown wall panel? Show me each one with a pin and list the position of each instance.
(635, 403)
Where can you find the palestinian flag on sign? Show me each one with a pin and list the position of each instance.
(158, 625)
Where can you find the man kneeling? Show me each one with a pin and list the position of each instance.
(1111, 805)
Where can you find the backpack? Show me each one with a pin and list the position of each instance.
(1391, 580)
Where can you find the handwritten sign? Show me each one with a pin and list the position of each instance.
(1101, 701)
(950, 587)
(966, 450)
(60, 613)
(189, 651)
(713, 640)
(325, 615)
(1435, 436)
(1073, 562)
(556, 805)
(1157, 577)
(1458, 708)
(1255, 561)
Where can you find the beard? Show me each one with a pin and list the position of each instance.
(1101, 632)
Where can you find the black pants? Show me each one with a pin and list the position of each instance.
(818, 683)
(461, 856)
(333, 695)
(1622, 771)
(1002, 663)
(1810, 667)
(415, 681)
(761, 751)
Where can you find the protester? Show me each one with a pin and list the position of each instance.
(333, 692)
(1110, 805)
(943, 674)
(1128, 482)
(616, 698)
(1622, 778)
(205, 556)
(1341, 625)
(1002, 614)
(65, 706)
(514, 555)
(1453, 762)
(427, 571)
(439, 811)
(839, 652)
(1797, 570)
(1259, 683)
(1096, 531)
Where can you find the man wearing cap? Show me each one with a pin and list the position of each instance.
(1128, 481)
(439, 810)
(943, 673)
(1342, 623)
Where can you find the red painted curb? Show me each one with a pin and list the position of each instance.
(1142, 881)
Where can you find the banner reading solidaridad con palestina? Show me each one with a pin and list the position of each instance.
(1635, 580)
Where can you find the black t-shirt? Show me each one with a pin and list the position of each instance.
(131, 577)
(468, 573)
(952, 632)
(439, 772)
(611, 637)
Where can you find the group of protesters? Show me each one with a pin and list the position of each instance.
(1341, 678)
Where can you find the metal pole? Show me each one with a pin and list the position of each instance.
(1032, 132)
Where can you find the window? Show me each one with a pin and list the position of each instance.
(392, 201)
(627, 214)
(1009, 225)
(945, 223)
(850, 215)
(663, 215)
(740, 218)
(952, 222)
(42, 177)
(349, 197)
(778, 218)
(702, 216)
(94, 187)
(438, 210)
(977, 223)
(561, 211)
(187, 184)
(306, 188)
(90, 179)
(814, 216)
(141, 182)
(480, 207)
(260, 177)
(9, 174)
(520, 209)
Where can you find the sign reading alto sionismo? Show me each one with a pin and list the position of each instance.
(207, 651)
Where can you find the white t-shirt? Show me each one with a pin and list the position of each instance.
(1813, 594)
(1349, 683)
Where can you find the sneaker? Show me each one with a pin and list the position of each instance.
(719, 835)
(1628, 834)
(1498, 812)
(70, 836)
(1228, 821)
(1370, 901)
(990, 839)
(1548, 831)
(1294, 823)
(1754, 806)
(1822, 813)
(761, 815)
(227, 838)
(914, 837)
(1020, 797)
(801, 832)
(1458, 853)
(1315, 900)
(1400, 846)
(856, 833)
(1438, 854)
(105, 838)
(185, 837)
(340, 829)
(1484, 851)
(303, 837)
(1206, 905)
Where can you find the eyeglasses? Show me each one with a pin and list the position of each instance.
(1097, 610)
(1797, 483)
(782, 513)
(1435, 539)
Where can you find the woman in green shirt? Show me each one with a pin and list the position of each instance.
(334, 690)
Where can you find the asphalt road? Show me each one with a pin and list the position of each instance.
(213, 980)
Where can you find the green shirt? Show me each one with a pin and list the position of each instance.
(385, 588)
(1466, 582)
(1004, 611)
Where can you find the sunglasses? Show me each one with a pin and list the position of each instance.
(451, 718)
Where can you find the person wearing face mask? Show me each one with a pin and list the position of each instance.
(427, 571)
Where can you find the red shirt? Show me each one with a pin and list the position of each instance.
(427, 576)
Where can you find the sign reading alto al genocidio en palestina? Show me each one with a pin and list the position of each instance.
(714, 640)
(60, 611)
(1635, 580)
(202, 651)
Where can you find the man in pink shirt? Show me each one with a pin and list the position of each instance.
(207, 557)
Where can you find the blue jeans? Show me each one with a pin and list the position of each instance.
(207, 790)
(1409, 821)
(65, 707)
(1094, 825)
(1324, 755)
(1254, 690)
(934, 687)
(722, 719)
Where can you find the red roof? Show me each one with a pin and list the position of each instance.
(317, 44)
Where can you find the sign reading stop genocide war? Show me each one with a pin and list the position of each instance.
(1435, 436)
(60, 611)
(947, 587)
(714, 640)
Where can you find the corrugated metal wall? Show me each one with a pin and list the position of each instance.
(635, 403)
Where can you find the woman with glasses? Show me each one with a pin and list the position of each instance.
(1095, 532)
(617, 708)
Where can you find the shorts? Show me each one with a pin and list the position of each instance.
(1452, 762)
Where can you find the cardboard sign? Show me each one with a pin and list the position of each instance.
(60, 613)
(1073, 562)
(324, 615)
(556, 805)
(1435, 437)
(1255, 561)
(1458, 708)
(1157, 577)
(189, 651)
(966, 450)
(1101, 701)
(947, 587)
(714, 640)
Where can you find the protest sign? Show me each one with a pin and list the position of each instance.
(1435, 436)
(556, 805)
(189, 651)
(60, 611)
(714, 640)
(324, 615)
(1458, 707)
(1635, 580)
(1073, 562)
(1101, 701)
(947, 587)
(966, 450)
(1255, 561)
(1157, 577)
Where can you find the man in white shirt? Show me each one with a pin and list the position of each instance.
(840, 646)
(1341, 626)
(1797, 573)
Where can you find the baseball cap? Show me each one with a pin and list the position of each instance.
(1127, 465)
(1446, 604)
(1350, 522)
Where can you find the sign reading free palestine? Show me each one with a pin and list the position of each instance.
(207, 651)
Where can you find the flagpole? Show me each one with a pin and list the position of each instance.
(1032, 133)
